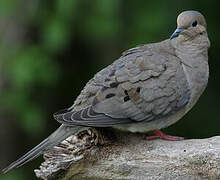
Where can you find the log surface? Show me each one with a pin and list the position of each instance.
(130, 156)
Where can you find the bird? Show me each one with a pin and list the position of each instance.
(147, 88)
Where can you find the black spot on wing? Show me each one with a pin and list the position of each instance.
(126, 98)
(109, 95)
(138, 90)
(114, 84)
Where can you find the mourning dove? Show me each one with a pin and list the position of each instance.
(148, 88)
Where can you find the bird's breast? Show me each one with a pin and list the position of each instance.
(197, 77)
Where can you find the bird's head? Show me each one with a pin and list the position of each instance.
(191, 29)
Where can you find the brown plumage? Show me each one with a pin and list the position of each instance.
(148, 88)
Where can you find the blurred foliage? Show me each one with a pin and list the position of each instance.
(50, 49)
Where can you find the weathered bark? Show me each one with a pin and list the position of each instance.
(130, 156)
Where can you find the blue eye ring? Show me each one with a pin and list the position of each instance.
(194, 23)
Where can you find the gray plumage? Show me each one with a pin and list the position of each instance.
(161, 79)
(149, 87)
(55, 138)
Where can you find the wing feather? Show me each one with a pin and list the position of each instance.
(142, 85)
(87, 117)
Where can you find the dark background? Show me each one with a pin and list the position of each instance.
(50, 49)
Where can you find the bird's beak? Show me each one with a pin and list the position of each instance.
(176, 33)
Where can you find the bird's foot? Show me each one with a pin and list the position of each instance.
(159, 134)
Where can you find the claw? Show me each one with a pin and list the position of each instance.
(159, 134)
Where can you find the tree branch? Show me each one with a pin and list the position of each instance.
(120, 155)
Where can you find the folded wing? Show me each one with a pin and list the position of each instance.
(142, 85)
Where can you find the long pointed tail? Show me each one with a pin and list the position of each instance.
(55, 138)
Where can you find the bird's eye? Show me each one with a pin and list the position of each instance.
(194, 24)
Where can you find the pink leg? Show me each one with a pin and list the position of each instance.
(161, 135)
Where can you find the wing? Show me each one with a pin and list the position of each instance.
(142, 85)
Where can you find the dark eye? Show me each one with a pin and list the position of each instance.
(194, 23)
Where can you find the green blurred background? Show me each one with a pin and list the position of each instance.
(50, 49)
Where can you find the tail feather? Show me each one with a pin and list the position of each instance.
(55, 138)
